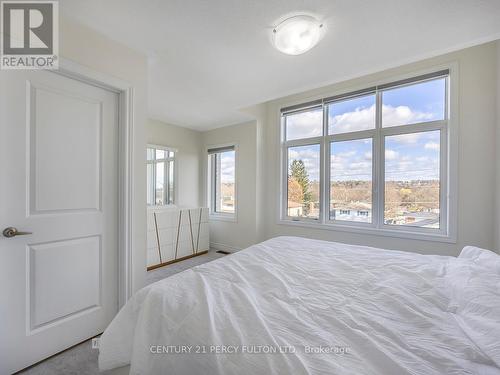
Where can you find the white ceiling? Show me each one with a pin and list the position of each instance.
(210, 58)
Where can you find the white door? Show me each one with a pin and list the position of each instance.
(58, 180)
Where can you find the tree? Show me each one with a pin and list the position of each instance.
(299, 173)
(295, 193)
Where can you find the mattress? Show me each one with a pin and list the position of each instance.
(293, 305)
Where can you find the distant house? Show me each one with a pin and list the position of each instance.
(352, 211)
(428, 219)
(295, 208)
(227, 203)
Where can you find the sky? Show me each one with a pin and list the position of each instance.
(227, 167)
(412, 156)
(351, 160)
(408, 157)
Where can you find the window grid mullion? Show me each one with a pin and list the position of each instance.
(327, 203)
(322, 181)
(414, 128)
(154, 183)
(284, 181)
(443, 183)
(324, 194)
(381, 185)
(154, 176)
(214, 183)
(379, 160)
(352, 136)
(303, 142)
(166, 190)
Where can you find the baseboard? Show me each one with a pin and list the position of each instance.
(150, 268)
(224, 247)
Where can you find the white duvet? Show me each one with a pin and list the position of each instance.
(298, 306)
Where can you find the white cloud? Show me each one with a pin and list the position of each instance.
(432, 146)
(408, 139)
(363, 166)
(364, 118)
(347, 154)
(359, 119)
(305, 125)
(413, 168)
(403, 115)
(350, 165)
(227, 168)
(391, 154)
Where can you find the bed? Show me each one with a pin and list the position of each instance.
(293, 305)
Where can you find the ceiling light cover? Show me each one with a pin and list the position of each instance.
(297, 34)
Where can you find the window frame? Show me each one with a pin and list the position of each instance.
(210, 183)
(166, 174)
(448, 158)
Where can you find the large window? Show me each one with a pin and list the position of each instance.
(375, 158)
(222, 181)
(160, 175)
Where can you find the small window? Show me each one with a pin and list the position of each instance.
(160, 176)
(222, 180)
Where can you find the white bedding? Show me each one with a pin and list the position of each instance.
(376, 311)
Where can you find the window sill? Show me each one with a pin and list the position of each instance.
(171, 205)
(403, 234)
(223, 217)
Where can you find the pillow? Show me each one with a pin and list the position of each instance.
(482, 257)
(475, 299)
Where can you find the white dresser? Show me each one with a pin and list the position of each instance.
(175, 234)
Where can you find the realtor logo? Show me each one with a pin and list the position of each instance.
(29, 35)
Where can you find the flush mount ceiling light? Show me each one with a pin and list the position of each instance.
(297, 34)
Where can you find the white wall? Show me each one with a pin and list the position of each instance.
(476, 188)
(189, 145)
(259, 111)
(227, 235)
(93, 50)
(258, 167)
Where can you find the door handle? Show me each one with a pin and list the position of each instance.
(12, 232)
